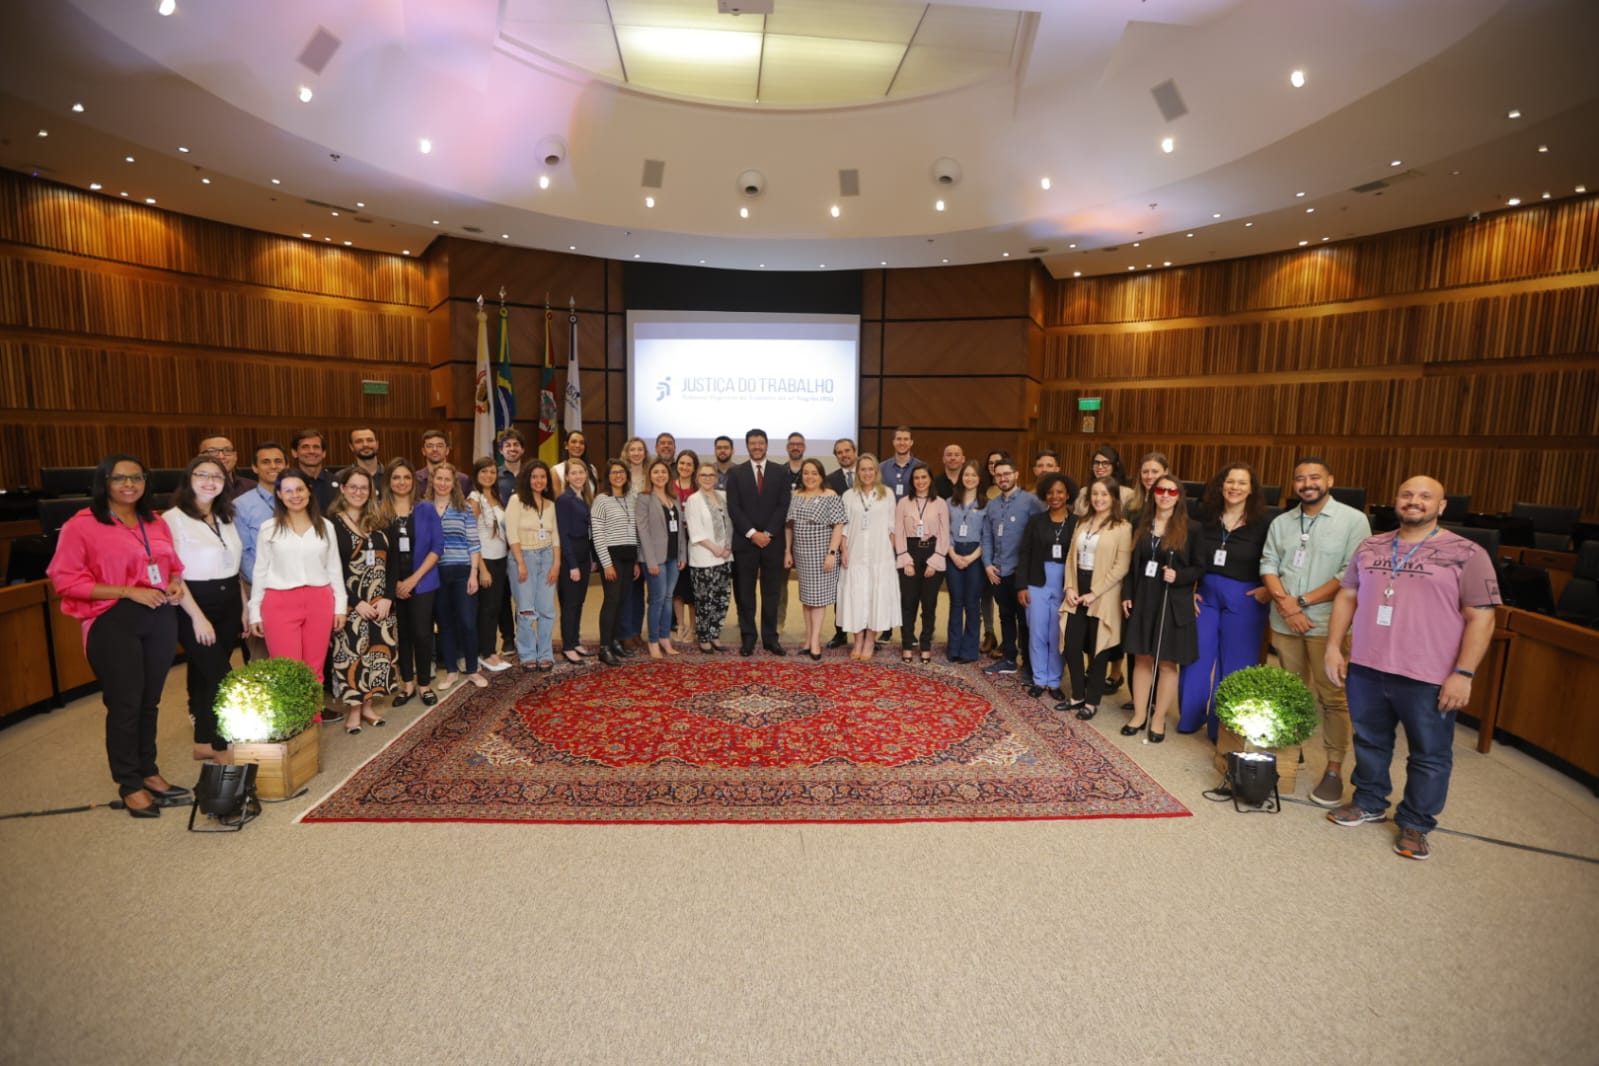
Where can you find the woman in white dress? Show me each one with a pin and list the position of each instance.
(868, 589)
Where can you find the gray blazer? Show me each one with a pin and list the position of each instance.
(652, 532)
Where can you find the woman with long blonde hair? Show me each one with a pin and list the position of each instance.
(868, 589)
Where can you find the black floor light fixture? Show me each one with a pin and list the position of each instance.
(225, 794)
(1252, 775)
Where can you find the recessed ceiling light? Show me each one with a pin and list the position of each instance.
(1071, 246)
(1186, 235)
(78, 108)
(306, 235)
(1077, 273)
(182, 149)
(649, 201)
(544, 181)
(124, 192)
(149, 199)
(306, 94)
(275, 181)
(1303, 243)
(347, 244)
(1148, 265)
(1297, 79)
(1004, 255)
(833, 210)
(1310, 210)
(1580, 189)
(702, 262)
(1514, 201)
(424, 145)
(1248, 224)
(1131, 267)
(821, 266)
(1168, 145)
(359, 203)
(743, 212)
(1396, 162)
(1326, 238)
(505, 236)
(1216, 215)
(205, 181)
(1043, 183)
(94, 186)
(1546, 196)
(405, 251)
(939, 206)
(127, 159)
(1166, 263)
(1299, 194)
(335, 214)
(435, 222)
(44, 133)
(571, 247)
(635, 255)
(166, 7)
(946, 260)
(1135, 244)
(1543, 148)
(1514, 112)
(327, 238)
(763, 266)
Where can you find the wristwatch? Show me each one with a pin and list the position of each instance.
(1467, 674)
(1302, 603)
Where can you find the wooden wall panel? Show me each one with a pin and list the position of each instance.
(527, 336)
(952, 403)
(981, 346)
(986, 290)
(530, 276)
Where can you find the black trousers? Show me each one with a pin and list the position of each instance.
(222, 604)
(573, 593)
(757, 568)
(920, 591)
(414, 620)
(130, 649)
(1082, 633)
(1012, 623)
(623, 558)
(491, 603)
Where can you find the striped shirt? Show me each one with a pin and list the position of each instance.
(460, 537)
(611, 523)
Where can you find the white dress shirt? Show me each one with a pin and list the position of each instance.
(296, 560)
(208, 554)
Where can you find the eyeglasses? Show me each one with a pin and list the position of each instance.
(126, 479)
(219, 451)
(218, 478)
(1101, 462)
(1167, 492)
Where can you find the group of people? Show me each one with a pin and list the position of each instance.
(354, 571)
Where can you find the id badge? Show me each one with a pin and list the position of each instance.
(543, 535)
(1151, 568)
(1385, 614)
(999, 530)
(371, 557)
(153, 572)
(1299, 558)
(405, 542)
(1220, 558)
(1054, 551)
(671, 527)
(899, 488)
(921, 531)
(962, 533)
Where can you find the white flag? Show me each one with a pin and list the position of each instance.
(482, 396)
(573, 416)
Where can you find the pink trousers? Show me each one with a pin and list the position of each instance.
(299, 624)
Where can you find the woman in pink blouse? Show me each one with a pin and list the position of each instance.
(921, 546)
(117, 571)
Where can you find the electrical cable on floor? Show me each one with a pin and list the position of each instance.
(1486, 840)
(114, 805)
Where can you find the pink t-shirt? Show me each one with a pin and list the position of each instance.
(1444, 576)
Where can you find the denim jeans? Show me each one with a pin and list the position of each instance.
(662, 585)
(1378, 704)
(457, 616)
(965, 600)
(535, 607)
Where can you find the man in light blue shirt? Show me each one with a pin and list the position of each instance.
(250, 512)
(1004, 519)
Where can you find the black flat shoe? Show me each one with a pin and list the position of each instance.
(815, 655)
(608, 657)
(1127, 706)
(775, 648)
(1068, 705)
(1132, 730)
(1035, 691)
(170, 797)
(1085, 712)
(618, 650)
(746, 650)
(402, 699)
(1156, 738)
(1056, 694)
(429, 697)
(572, 657)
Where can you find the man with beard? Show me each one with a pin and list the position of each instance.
(758, 495)
(364, 446)
(666, 447)
(724, 460)
(1307, 551)
(1421, 603)
(512, 447)
(841, 481)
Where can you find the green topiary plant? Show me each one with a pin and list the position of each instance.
(267, 700)
(1267, 706)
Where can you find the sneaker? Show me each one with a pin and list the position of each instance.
(1412, 844)
(1004, 666)
(1329, 791)
(1349, 814)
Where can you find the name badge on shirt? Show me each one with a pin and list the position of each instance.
(371, 557)
(1151, 568)
(543, 535)
(671, 526)
(153, 572)
(405, 542)
(1220, 558)
(899, 489)
(1385, 615)
(1299, 557)
(962, 532)
(1054, 551)
(921, 531)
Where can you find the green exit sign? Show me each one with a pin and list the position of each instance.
(1088, 403)
(375, 388)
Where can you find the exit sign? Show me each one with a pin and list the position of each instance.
(1088, 403)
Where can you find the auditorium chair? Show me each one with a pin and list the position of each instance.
(1552, 526)
(1579, 600)
(1457, 507)
(164, 480)
(1513, 532)
(1272, 512)
(1526, 587)
(1384, 518)
(53, 514)
(66, 480)
(1355, 498)
(1488, 539)
(1193, 489)
(1271, 495)
(1193, 509)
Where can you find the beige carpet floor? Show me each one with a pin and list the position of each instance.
(1220, 938)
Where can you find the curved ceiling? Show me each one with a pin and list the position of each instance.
(1403, 118)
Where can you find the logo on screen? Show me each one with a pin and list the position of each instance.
(663, 388)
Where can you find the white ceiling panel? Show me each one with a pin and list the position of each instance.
(819, 70)
(698, 63)
(975, 29)
(587, 47)
(928, 69)
(681, 14)
(850, 19)
(592, 12)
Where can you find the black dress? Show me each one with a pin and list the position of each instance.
(1179, 643)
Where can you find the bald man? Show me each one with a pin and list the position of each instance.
(1420, 604)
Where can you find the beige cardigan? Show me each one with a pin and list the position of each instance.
(1112, 556)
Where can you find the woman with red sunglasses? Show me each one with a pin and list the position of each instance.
(1158, 601)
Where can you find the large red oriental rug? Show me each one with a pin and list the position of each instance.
(706, 739)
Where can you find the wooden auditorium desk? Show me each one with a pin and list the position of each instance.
(1537, 682)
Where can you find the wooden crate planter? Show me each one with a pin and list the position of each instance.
(285, 766)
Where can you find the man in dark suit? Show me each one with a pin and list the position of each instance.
(758, 493)
(841, 481)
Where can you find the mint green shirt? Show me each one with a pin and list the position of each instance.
(1330, 539)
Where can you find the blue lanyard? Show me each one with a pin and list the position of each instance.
(1398, 563)
(149, 555)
